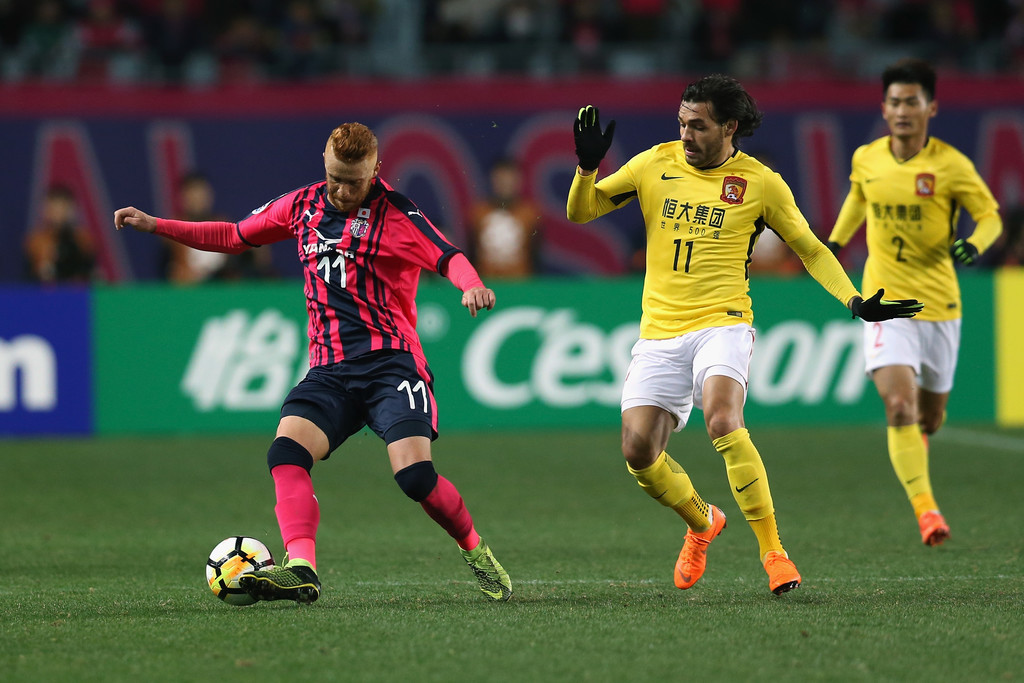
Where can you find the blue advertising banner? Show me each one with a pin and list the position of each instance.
(45, 362)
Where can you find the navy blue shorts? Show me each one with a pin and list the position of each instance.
(392, 392)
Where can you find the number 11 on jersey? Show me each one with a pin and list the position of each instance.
(327, 266)
(689, 253)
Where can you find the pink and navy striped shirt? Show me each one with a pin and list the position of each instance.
(361, 268)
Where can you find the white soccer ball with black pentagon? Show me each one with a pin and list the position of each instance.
(231, 558)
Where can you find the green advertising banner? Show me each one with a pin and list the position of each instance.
(553, 353)
(217, 358)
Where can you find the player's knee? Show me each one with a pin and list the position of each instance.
(899, 410)
(720, 425)
(285, 451)
(417, 480)
(639, 449)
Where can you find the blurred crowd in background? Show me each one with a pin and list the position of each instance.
(211, 42)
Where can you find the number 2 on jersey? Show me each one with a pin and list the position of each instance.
(898, 241)
(689, 253)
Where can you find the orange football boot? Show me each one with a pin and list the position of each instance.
(693, 557)
(934, 530)
(782, 573)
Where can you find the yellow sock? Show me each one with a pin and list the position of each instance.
(767, 532)
(909, 457)
(747, 476)
(667, 482)
(694, 512)
(923, 502)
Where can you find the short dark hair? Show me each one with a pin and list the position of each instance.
(60, 192)
(193, 178)
(728, 100)
(505, 162)
(910, 70)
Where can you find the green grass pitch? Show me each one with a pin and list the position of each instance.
(105, 542)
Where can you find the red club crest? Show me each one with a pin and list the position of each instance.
(924, 185)
(733, 188)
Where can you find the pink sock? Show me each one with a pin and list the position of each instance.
(445, 506)
(298, 513)
(302, 549)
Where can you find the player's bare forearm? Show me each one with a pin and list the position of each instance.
(134, 218)
(478, 298)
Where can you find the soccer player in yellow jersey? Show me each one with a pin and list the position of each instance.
(704, 203)
(910, 187)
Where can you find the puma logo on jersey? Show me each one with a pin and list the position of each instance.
(310, 214)
(322, 244)
(328, 240)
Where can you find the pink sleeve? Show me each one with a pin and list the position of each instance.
(208, 235)
(270, 223)
(462, 273)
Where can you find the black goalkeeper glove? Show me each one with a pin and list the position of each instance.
(964, 252)
(877, 309)
(591, 143)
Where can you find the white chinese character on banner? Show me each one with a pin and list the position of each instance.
(240, 363)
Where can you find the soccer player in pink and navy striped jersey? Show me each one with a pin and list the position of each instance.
(362, 246)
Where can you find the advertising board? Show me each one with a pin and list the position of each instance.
(45, 361)
(553, 353)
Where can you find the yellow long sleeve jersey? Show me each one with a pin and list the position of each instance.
(912, 208)
(702, 225)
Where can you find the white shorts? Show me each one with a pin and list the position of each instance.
(670, 373)
(929, 347)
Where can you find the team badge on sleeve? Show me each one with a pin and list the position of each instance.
(733, 188)
(924, 185)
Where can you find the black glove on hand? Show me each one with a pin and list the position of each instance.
(591, 143)
(964, 252)
(877, 309)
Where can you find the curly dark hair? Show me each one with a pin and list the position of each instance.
(910, 70)
(727, 101)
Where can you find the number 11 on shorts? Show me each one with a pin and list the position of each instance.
(412, 390)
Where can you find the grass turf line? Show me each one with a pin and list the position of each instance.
(106, 541)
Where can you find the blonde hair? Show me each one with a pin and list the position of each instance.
(352, 142)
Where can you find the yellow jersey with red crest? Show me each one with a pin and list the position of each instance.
(912, 208)
(702, 225)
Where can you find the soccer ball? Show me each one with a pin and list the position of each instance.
(231, 558)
